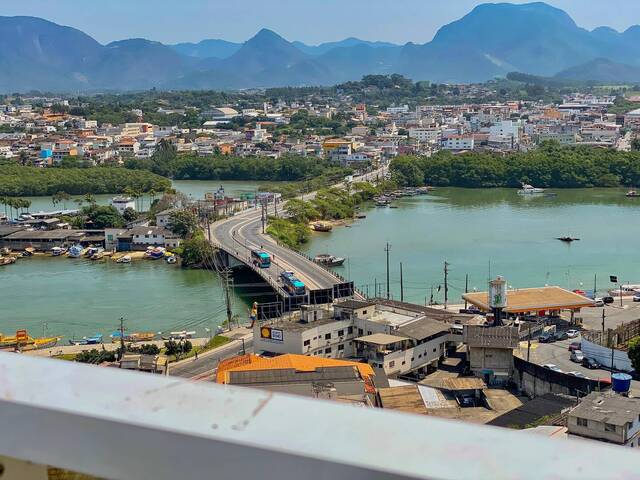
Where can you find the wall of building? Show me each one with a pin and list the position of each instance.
(535, 380)
(603, 356)
(596, 430)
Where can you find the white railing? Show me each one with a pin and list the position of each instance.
(118, 424)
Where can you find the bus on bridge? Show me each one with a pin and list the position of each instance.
(292, 284)
(260, 258)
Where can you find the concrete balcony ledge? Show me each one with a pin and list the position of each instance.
(119, 424)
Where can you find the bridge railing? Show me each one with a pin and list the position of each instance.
(117, 424)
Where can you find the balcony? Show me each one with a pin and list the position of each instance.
(125, 425)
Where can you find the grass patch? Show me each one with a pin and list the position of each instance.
(215, 342)
(69, 357)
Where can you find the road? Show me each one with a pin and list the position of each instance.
(243, 232)
(614, 314)
(558, 354)
(208, 363)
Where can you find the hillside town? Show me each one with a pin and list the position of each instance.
(34, 134)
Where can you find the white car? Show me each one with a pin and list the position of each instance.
(577, 356)
(572, 333)
(598, 302)
(553, 367)
(577, 374)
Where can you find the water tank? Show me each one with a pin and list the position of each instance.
(621, 382)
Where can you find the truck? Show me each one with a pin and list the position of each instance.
(260, 259)
(292, 284)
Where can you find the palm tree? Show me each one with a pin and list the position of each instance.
(90, 198)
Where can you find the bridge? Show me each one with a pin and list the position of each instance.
(235, 237)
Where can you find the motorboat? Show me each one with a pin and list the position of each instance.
(328, 260)
(530, 190)
(568, 239)
(98, 254)
(94, 340)
(91, 251)
(125, 259)
(632, 194)
(7, 261)
(75, 251)
(155, 253)
(58, 251)
(172, 259)
(28, 252)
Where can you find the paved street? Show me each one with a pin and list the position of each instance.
(614, 314)
(209, 362)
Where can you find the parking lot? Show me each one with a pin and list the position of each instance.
(614, 314)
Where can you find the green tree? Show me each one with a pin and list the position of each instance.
(129, 215)
(197, 251)
(634, 353)
(103, 216)
(183, 223)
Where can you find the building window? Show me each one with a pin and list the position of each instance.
(350, 330)
(369, 332)
(327, 336)
(609, 427)
(360, 332)
(307, 343)
(327, 350)
(392, 364)
(413, 358)
(340, 347)
(582, 422)
(403, 362)
(420, 356)
(341, 333)
(434, 350)
(364, 312)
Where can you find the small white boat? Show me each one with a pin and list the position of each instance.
(57, 251)
(75, 251)
(529, 190)
(125, 259)
(172, 259)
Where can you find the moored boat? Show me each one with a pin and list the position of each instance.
(632, 194)
(75, 251)
(125, 259)
(58, 251)
(155, 253)
(322, 226)
(7, 261)
(94, 340)
(530, 190)
(568, 239)
(328, 260)
(172, 259)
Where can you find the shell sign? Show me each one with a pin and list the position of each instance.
(274, 334)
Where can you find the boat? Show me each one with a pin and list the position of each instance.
(75, 251)
(172, 259)
(28, 252)
(382, 202)
(20, 339)
(155, 253)
(632, 194)
(91, 251)
(94, 340)
(322, 226)
(7, 261)
(58, 251)
(41, 343)
(5, 251)
(133, 337)
(568, 239)
(530, 190)
(179, 335)
(361, 216)
(98, 254)
(125, 259)
(328, 260)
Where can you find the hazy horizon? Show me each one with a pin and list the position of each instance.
(414, 21)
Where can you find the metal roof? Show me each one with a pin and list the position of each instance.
(381, 339)
(423, 328)
(533, 299)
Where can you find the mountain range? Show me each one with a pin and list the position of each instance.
(488, 42)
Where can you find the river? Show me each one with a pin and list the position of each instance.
(482, 233)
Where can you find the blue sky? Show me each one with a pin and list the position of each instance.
(311, 21)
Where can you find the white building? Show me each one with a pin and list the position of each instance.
(122, 203)
(425, 134)
(505, 131)
(459, 142)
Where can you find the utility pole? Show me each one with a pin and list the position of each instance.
(466, 288)
(446, 284)
(121, 352)
(595, 288)
(603, 321)
(387, 249)
(262, 215)
(375, 287)
(431, 297)
(529, 343)
(401, 284)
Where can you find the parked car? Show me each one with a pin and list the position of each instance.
(590, 363)
(572, 333)
(553, 367)
(573, 346)
(577, 356)
(608, 300)
(636, 297)
(598, 302)
(577, 374)
(466, 400)
(546, 337)
(561, 335)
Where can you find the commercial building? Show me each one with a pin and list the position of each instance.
(490, 350)
(139, 238)
(391, 336)
(607, 417)
(122, 203)
(459, 142)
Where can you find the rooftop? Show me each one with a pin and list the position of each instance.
(533, 299)
(423, 328)
(608, 407)
(380, 339)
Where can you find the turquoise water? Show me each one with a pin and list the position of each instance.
(484, 233)
(481, 233)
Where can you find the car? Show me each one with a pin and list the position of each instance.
(575, 346)
(553, 367)
(636, 297)
(608, 300)
(546, 337)
(577, 356)
(561, 335)
(572, 333)
(577, 374)
(598, 302)
(590, 363)
(466, 400)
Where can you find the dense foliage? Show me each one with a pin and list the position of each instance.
(634, 353)
(31, 181)
(548, 166)
(183, 223)
(196, 252)
(95, 356)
